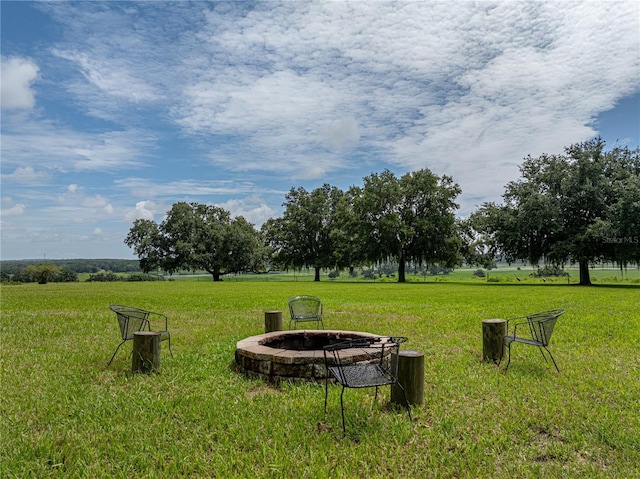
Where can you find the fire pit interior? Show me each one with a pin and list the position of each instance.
(290, 355)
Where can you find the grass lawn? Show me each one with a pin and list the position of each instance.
(63, 413)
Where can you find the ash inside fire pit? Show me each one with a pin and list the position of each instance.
(290, 355)
(303, 340)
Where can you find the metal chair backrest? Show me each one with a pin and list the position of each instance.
(305, 308)
(541, 325)
(542, 329)
(130, 320)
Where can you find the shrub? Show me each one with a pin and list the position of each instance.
(145, 277)
(368, 274)
(549, 271)
(104, 277)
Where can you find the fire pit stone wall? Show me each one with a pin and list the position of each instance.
(289, 355)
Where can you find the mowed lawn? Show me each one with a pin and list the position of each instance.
(63, 413)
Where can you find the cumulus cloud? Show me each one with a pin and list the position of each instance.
(9, 208)
(144, 210)
(17, 76)
(251, 208)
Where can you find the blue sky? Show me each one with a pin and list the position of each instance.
(113, 111)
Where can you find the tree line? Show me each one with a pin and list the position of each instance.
(11, 267)
(581, 207)
(62, 270)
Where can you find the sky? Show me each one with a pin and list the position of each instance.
(114, 111)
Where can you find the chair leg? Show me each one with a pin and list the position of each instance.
(344, 429)
(114, 354)
(554, 361)
(326, 391)
(406, 401)
(169, 341)
(509, 359)
(542, 352)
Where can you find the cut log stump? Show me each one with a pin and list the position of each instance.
(493, 331)
(146, 352)
(411, 376)
(272, 321)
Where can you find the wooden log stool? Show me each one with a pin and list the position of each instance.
(410, 376)
(146, 352)
(272, 321)
(493, 332)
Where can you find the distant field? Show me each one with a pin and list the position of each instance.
(503, 274)
(63, 413)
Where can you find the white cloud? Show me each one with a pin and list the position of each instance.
(26, 175)
(17, 76)
(38, 144)
(110, 76)
(143, 187)
(144, 210)
(341, 133)
(252, 208)
(454, 83)
(9, 208)
(97, 201)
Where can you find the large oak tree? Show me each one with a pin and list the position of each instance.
(579, 207)
(410, 218)
(309, 232)
(197, 237)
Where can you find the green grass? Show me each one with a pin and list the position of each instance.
(64, 414)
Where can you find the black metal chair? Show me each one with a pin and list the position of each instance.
(131, 320)
(304, 309)
(363, 363)
(538, 333)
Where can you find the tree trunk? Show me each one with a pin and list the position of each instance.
(401, 269)
(216, 276)
(585, 279)
(317, 277)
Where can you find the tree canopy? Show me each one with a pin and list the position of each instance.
(197, 236)
(309, 232)
(407, 219)
(579, 207)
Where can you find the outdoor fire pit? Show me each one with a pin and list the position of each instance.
(290, 355)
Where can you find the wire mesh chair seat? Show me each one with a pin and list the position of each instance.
(362, 363)
(132, 320)
(538, 333)
(305, 309)
(364, 376)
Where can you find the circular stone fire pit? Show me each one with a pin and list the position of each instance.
(290, 355)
